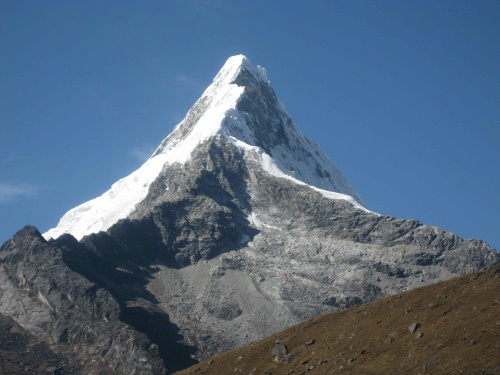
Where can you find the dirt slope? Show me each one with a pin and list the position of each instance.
(452, 327)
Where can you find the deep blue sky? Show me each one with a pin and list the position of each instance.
(402, 95)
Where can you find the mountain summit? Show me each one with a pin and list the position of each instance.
(241, 106)
(236, 227)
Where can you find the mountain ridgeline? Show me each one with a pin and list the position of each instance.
(236, 227)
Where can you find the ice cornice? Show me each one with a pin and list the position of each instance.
(238, 65)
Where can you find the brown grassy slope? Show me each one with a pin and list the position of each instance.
(459, 333)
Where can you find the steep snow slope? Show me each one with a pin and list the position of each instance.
(241, 106)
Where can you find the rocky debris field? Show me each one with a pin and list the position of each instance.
(447, 328)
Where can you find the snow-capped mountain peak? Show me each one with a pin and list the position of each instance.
(241, 106)
(215, 110)
(235, 64)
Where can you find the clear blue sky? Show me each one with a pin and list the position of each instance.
(402, 95)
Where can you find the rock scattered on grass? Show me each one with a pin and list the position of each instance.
(289, 358)
(413, 327)
(393, 336)
(279, 353)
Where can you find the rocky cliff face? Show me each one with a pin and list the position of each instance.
(44, 289)
(234, 236)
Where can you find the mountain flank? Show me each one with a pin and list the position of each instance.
(237, 227)
(451, 327)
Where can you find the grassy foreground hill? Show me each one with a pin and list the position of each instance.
(452, 327)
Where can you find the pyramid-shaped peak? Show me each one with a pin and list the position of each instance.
(241, 107)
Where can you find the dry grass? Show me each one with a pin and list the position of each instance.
(459, 333)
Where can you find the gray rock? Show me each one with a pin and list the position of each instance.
(279, 353)
(393, 336)
(289, 358)
(471, 343)
(413, 327)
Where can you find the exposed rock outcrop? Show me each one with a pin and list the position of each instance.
(64, 309)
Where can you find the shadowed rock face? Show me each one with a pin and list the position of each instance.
(218, 254)
(87, 326)
(24, 353)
